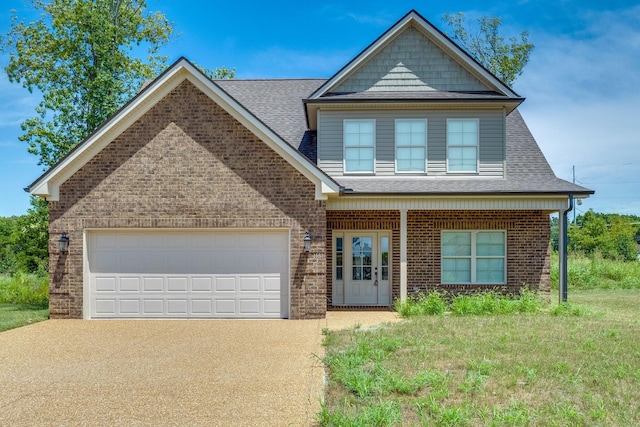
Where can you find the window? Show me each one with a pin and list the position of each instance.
(384, 255)
(411, 145)
(359, 143)
(473, 257)
(462, 145)
(339, 258)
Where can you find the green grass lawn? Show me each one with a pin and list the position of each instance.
(580, 366)
(14, 316)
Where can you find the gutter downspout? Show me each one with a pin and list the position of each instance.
(562, 247)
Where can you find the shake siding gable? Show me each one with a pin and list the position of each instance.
(188, 164)
(491, 144)
(411, 62)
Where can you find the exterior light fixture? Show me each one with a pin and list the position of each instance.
(307, 242)
(64, 243)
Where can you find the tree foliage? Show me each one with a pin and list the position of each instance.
(613, 236)
(482, 40)
(24, 240)
(79, 56)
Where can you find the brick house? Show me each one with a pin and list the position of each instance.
(409, 169)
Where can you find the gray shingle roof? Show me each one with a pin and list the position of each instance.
(279, 105)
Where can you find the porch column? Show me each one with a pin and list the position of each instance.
(403, 254)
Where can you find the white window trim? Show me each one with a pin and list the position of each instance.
(344, 148)
(477, 145)
(474, 258)
(426, 142)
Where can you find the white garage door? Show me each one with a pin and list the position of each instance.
(188, 274)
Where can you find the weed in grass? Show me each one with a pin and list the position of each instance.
(569, 309)
(514, 414)
(428, 303)
(483, 303)
(385, 413)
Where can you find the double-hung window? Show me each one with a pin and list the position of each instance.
(470, 257)
(411, 145)
(359, 146)
(462, 145)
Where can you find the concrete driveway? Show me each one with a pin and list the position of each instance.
(171, 372)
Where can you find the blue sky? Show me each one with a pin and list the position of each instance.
(582, 83)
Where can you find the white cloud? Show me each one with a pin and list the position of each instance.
(583, 91)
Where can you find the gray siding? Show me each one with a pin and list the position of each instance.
(411, 62)
(491, 151)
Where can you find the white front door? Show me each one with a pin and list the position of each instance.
(365, 256)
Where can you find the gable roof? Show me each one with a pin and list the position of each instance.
(441, 73)
(415, 20)
(49, 183)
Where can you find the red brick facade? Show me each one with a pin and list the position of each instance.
(528, 250)
(188, 164)
(527, 234)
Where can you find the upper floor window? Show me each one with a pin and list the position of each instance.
(359, 145)
(462, 145)
(411, 145)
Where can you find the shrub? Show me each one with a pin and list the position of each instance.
(425, 303)
(483, 303)
(23, 288)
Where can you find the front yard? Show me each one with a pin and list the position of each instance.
(578, 366)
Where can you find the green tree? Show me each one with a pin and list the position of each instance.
(611, 235)
(482, 40)
(79, 56)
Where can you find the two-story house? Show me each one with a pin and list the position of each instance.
(409, 169)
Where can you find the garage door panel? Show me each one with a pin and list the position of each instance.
(271, 306)
(106, 307)
(153, 307)
(226, 307)
(105, 284)
(225, 284)
(129, 306)
(202, 284)
(249, 284)
(202, 307)
(177, 284)
(188, 273)
(153, 284)
(177, 306)
(272, 284)
(129, 284)
(249, 307)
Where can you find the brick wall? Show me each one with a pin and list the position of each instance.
(527, 246)
(188, 164)
(527, 232)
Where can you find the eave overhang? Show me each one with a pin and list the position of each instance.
(312, 106)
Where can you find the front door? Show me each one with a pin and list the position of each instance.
(366, 275)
